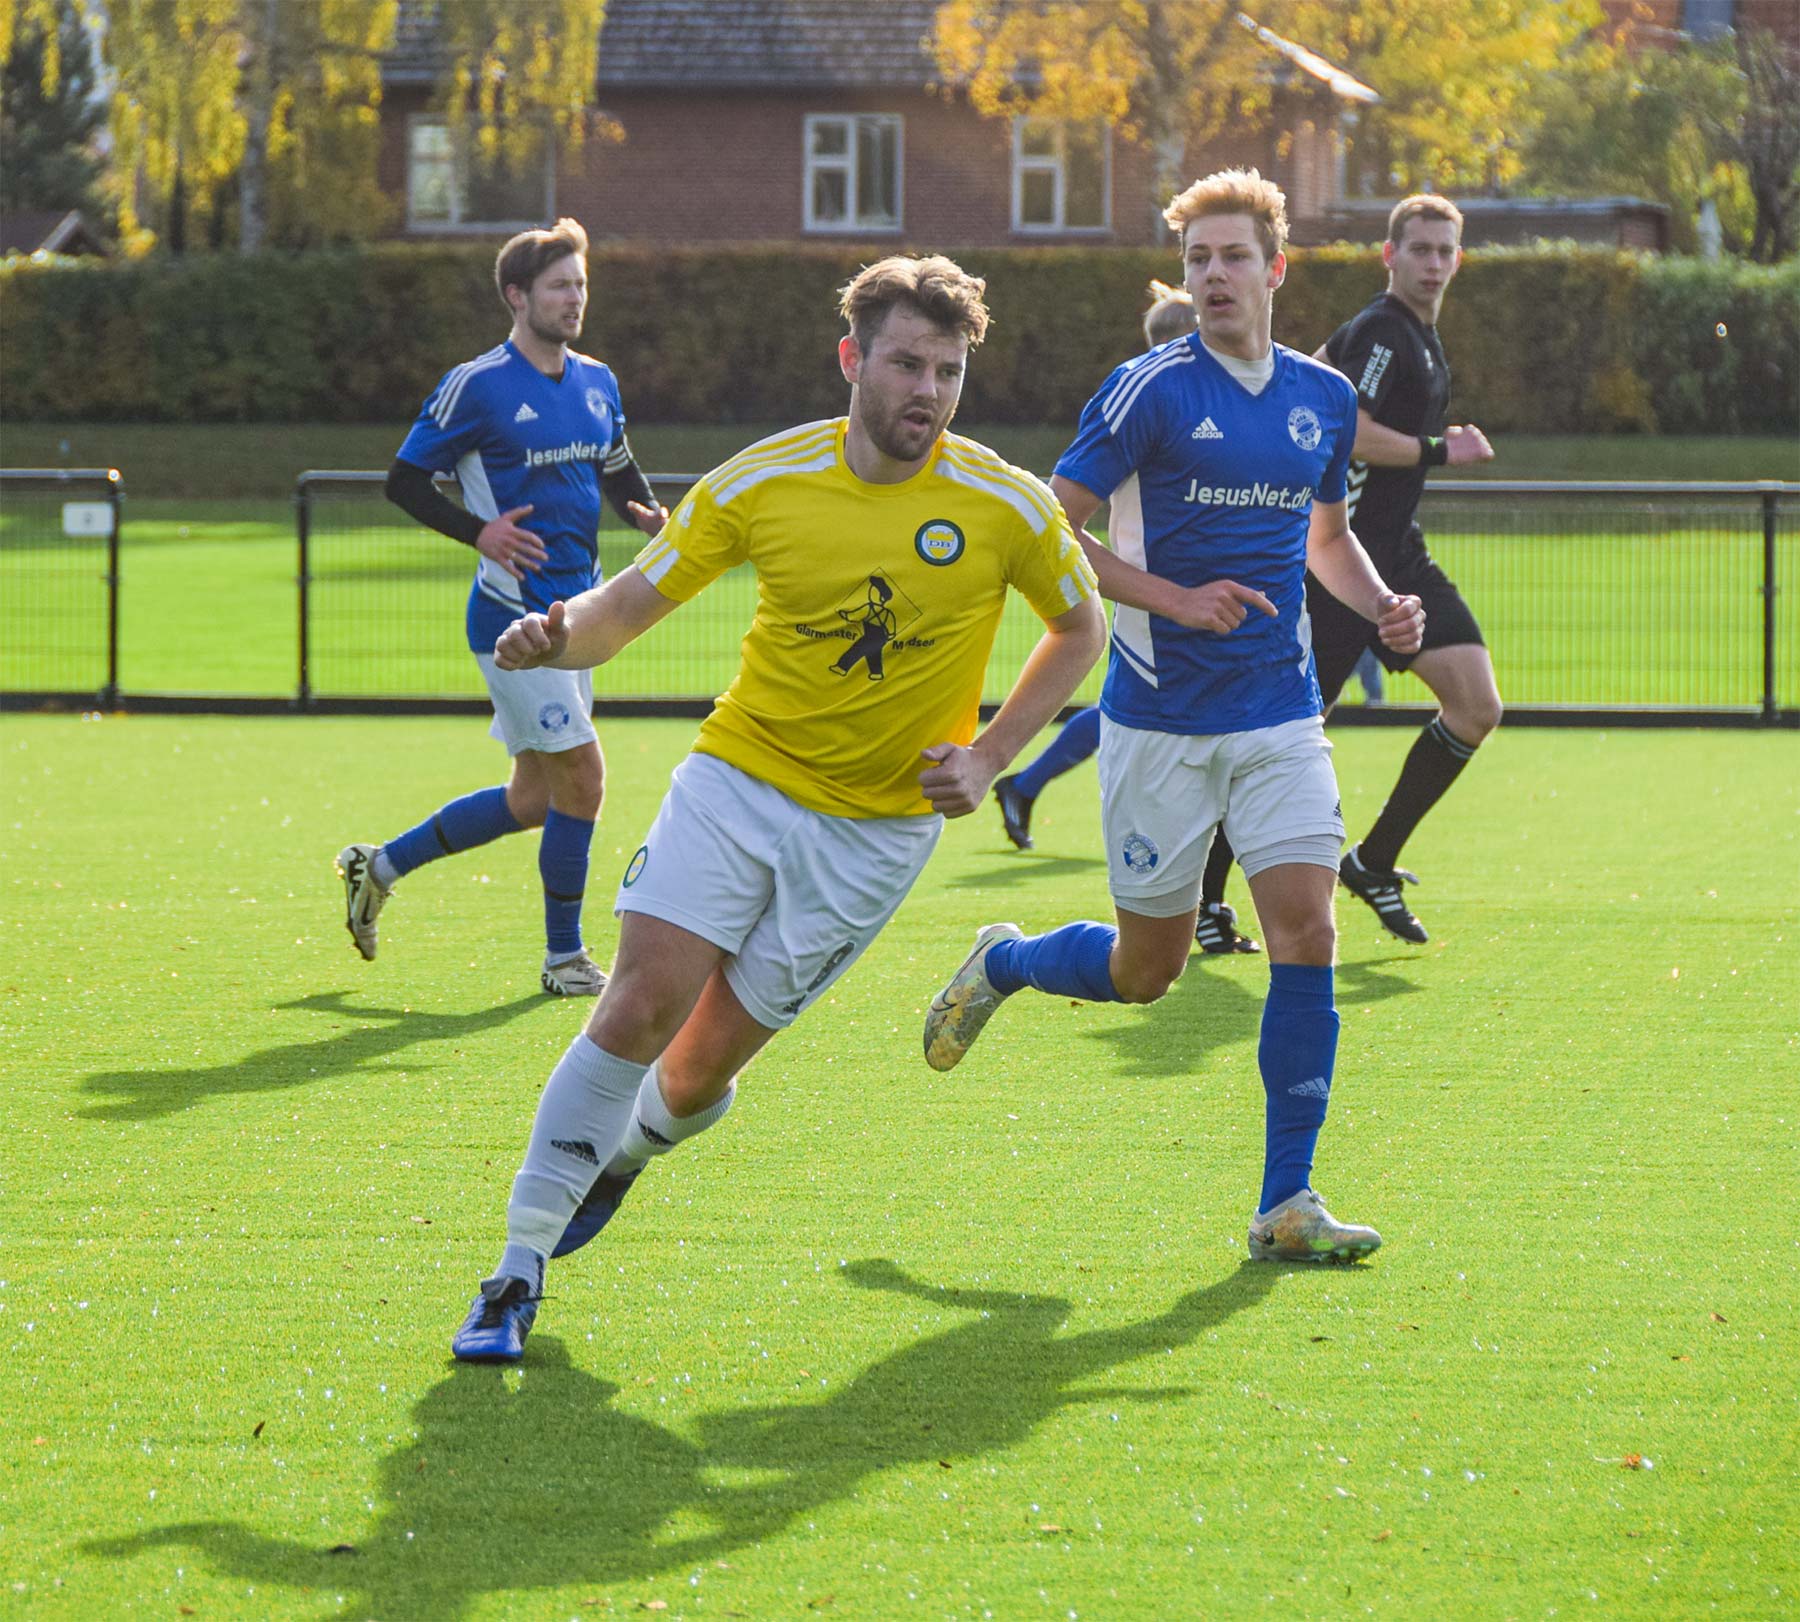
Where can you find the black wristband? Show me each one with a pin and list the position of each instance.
(1433, 451)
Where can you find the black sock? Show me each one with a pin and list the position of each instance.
(1432, 765)
(1218, 869)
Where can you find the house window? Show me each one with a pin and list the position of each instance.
(1062, 176)
(853, 172)
(449, 188)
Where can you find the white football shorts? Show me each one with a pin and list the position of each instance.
(793, 896)
(546, 710)
(1163, 793)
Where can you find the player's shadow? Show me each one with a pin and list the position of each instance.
(541, 1481)
(1029, 866)
(370, 1035)
(1364, 981)
(1217, 1004)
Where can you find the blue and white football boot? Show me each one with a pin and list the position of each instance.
(498, 1322)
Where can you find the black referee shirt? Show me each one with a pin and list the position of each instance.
(1403, 381)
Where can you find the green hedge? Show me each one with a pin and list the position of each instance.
(1551, 340)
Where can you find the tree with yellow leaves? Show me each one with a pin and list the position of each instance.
(1455, 76)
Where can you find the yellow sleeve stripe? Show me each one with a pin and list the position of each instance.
(977, 458)
(819, 462)
(806, 439)
(1017, 496)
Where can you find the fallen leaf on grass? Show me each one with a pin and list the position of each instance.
(943, 1464)
(1318, 1338)
(259, 1429)
(1680, 1357)
(1051, 1526)
(342, 1548)
(1717, 1317)
(1382, 1537)
(423, 1222)
(656, 1605)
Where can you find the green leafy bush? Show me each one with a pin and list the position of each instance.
(1542, 340)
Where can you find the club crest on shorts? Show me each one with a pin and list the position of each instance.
(553, 717)
(939, 542)
(635, 867)
(1304, 429)
(1140, 853)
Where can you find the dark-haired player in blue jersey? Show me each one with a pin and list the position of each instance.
(535, 434)
(1224, 456)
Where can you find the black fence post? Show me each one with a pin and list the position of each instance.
(1768, 590)
(115, 492)
(303, 524)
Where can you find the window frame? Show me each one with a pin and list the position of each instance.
(812, 163)
(458, 223)
(1056, 165)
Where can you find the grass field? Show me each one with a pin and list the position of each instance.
(891, 1343)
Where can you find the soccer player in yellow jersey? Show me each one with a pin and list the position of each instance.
(883, 549)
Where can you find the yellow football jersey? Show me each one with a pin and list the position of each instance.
(876, 606)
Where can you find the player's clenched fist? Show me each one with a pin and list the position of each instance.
(537, 639)
(1400, 622)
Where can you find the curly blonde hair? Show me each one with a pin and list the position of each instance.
(1234, 191)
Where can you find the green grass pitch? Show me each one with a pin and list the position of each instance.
(890, 1343)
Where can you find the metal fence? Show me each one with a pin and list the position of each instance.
(59, 584)
(1626, 603)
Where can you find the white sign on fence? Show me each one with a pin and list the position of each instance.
(82, 519)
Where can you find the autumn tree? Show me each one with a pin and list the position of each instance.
(48, 118)
(1456, 77)
(276, 103)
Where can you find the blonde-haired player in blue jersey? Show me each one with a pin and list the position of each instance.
(883, 548)
(1225, 457)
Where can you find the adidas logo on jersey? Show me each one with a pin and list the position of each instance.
(524, 414)
(1208, 429)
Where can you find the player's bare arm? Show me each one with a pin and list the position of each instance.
(1388, 447)
(956, 779)
(585, 631)
(1220, 606)
(1338, 561)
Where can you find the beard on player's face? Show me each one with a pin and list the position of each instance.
(902, 430)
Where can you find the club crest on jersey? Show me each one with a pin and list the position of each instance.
(939, 542)
(1140, 853)
(596, 403)
(1304, 429)
(553, 717)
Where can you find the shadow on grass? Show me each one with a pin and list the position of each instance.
(1024, 865)
(539, 1481)
(144, 1095)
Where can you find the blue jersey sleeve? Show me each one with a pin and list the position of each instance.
(1120, 428)
(448, 427)
(1333, 482)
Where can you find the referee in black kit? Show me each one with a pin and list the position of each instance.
(1390, 351)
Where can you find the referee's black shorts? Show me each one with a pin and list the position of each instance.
(1340, 634)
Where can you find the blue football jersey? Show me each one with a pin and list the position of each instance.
(1211, 482)
(517, 438)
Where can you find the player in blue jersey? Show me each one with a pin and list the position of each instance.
(1224, 456)
(1170, 316)
(535, 434)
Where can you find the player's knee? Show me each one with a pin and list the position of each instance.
(1311, 940)
(1147, 981)
(527, 805)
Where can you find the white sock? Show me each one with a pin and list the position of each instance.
(654, 1131)
(382, 870)
(586, 1105)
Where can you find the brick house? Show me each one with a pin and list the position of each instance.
(819, 120)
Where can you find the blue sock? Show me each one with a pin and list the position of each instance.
(1068, 962)
(563, 866)
(1297, 1054)
(461, 825)
(1079, 738)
